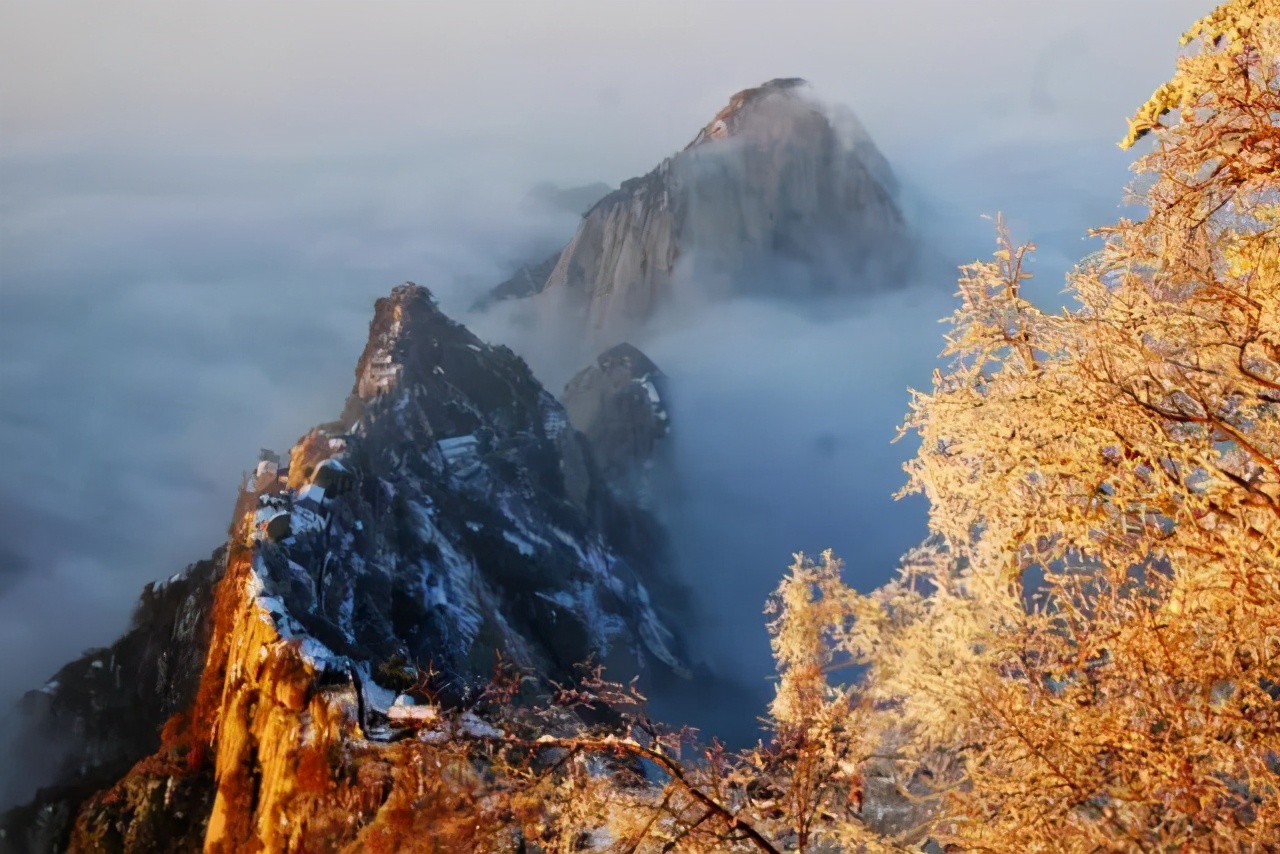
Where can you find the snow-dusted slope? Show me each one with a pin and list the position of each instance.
(451, 515)
(453, 512)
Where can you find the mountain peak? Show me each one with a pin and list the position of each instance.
(727, 121)
(619, 406)
(410, 341)
(778, 195)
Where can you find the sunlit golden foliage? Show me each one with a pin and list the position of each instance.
(1093, 633)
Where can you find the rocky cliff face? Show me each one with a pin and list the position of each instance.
(619, 405)
(103, 712)
(451, 515)
(471, 515)
(776, 195)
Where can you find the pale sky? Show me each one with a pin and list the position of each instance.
(199, 202)
(608, 81)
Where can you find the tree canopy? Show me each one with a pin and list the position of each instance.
(1091, 637)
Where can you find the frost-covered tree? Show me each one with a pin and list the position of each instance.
(1090, 642)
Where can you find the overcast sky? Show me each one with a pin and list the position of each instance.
(198, 204)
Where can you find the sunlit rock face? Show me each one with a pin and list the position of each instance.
(777, 196)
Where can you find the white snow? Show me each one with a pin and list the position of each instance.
(375, 696)
(526, 548)
(461, 454)
(334, 463)
(562, 598)
(564, 537)
(525, 532)
(554, 423)
(272, 605)
(554, 420)
(272, 609)
(649, 387)
(313, 492)
(306, 520)
(457, 446)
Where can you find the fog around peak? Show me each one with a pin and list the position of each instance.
(199, 204)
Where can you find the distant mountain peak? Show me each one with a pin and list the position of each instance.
(796, 202)
(619, 405)
(722, 125)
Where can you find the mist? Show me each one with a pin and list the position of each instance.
(198, 206)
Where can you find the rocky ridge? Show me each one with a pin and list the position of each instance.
(451, 515)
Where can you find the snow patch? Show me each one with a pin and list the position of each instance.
(525, 547)
(375, 696)
(563, 598)
(311, 492)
